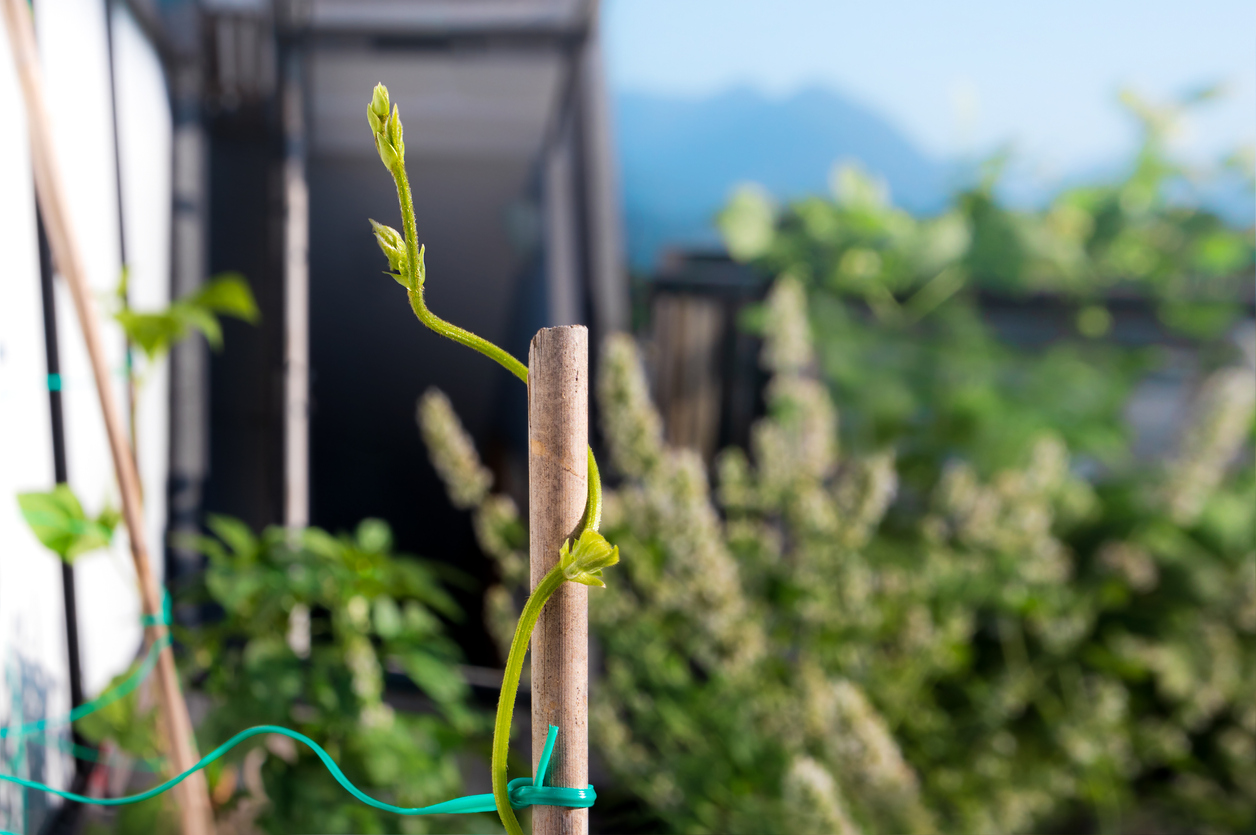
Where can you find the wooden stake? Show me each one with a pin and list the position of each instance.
(191, 795)
(558, 441)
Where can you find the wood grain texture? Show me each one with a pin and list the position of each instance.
(558, 440)
(192, 794)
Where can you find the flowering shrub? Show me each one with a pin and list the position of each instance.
(911, 356)
(1013, 650)
(967, 609)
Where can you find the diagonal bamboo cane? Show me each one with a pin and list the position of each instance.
(193, 797)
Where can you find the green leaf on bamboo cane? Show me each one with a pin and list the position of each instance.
(584, 562)
(58, 521)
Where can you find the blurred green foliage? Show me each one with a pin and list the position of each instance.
(969, 608)
(308, 627)
(155, 333)
(310, 624)
(894, 300)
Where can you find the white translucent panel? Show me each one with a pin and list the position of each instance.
(74, 57)
(34, 677)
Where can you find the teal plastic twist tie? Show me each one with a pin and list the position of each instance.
(164, 618)
(542, 768)
(523, 792)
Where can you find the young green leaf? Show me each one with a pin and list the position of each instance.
(386, 128)
(393, 245)
(152, 333)
(156, 332)
(195, 317)
(229, 295)
(584, 563)
(58, 521)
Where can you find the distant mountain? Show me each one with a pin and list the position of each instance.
(681, 158)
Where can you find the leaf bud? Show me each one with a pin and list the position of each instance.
(377, 110)
(394, 131)
(386, 128)
(584, 562)
(393, 245)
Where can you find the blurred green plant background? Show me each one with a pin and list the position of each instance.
(309, 626)
(938, 592)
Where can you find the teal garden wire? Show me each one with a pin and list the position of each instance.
(110, 696)
(103, 700)
(523, 791)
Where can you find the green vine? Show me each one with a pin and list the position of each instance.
(582, 559)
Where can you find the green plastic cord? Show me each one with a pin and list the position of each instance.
(521, 792)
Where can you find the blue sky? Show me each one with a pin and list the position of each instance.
(959, 78)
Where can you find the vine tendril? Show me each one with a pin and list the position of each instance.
(582, 558)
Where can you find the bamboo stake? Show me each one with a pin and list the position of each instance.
(192, 795)
(558, 442)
